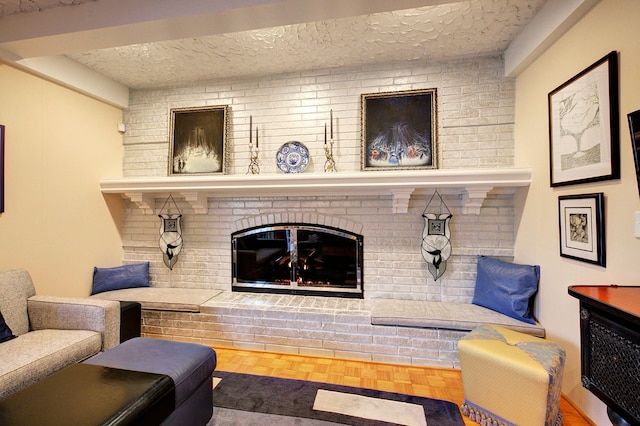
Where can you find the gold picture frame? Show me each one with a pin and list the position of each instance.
(399, 130)
(198, 141)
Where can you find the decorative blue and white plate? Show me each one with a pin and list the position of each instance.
(292, 157)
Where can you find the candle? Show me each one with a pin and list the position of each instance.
(250, 129)
(325, 133)
(331, 119)
(256, 137)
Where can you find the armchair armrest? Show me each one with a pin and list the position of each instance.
(66, 313)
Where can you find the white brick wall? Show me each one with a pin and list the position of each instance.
(314, 332)
(393, 264)
(474, 103)
(475, 129)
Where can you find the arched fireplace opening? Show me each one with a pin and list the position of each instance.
(297, 259)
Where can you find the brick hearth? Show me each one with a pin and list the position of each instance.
(306, 325)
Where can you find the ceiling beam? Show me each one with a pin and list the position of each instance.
(113, 23)
(549, 24)
(36, 42)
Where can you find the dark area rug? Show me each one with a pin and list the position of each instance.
(246, 399)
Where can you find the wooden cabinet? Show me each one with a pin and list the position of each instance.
(610, 347)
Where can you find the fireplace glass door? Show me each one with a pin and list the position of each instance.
(297, 259)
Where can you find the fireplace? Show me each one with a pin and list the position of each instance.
(297, 259)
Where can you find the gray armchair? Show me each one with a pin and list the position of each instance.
(51, 332)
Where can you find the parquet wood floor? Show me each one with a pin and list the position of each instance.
(440, 383)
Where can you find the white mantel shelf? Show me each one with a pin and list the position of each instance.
(472, 184)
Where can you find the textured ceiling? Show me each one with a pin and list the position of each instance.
(10, 7)
(446, 31)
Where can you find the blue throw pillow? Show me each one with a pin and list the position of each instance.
(506, 287)
(119, 277)
(5, 331)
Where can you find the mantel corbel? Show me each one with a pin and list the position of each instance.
(401, 199)
(473, 198)
(199, 201)
(144, 201)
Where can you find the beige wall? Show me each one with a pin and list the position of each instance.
(56, 223)
(60, 143)
(611, 25)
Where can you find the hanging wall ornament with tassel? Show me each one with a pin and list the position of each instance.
(170, 233)
(436, 235)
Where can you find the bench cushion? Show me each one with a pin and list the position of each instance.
(448, 315)
(162, 299)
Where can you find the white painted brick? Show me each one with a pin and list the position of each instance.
(475, 124)
(316, 352)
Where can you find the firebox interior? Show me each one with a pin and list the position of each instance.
(297, 259)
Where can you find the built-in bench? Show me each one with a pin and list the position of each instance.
(387, 330)
(162, 299)
(452, 316)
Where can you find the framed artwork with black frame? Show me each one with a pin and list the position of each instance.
(198, 139)
(1, 168)
(582, 227)
(584, 126)
(399, 130)
(634, 127)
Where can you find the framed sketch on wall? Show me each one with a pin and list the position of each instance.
(399, 130)
(198, 138)
(582, 227)
(584, 126)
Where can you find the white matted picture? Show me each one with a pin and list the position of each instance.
(582, 227)
(198, 140)
(584, 122)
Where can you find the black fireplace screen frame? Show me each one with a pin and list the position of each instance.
(297, 258)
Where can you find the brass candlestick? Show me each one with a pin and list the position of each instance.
(254, 168)
(330, 163)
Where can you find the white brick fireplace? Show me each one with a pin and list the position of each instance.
(321, 326)
(475, 147)
(392, 228)
(475, 176)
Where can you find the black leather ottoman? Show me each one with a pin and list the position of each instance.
(84, 394)
(130, 320)
(190, 366)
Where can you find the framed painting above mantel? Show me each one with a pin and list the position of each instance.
(399, 130)
(584, 126)
(198, 139)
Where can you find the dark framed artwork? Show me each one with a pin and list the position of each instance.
(1, 168)
(634, 127)
(198, 139)
(584, 126)
(399, 130)
(582, 227)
